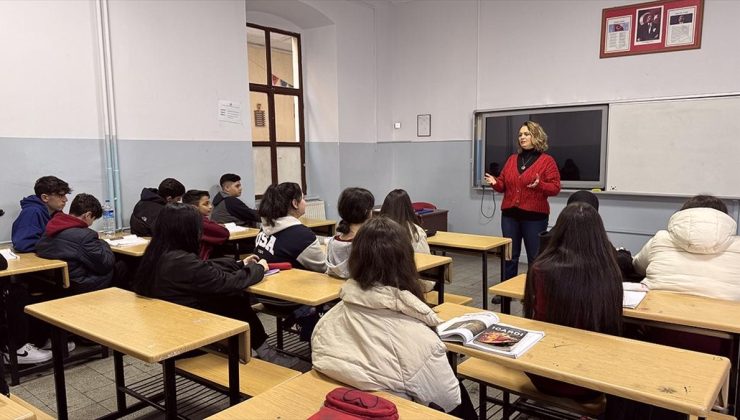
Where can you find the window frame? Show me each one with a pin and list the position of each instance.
(271, 91)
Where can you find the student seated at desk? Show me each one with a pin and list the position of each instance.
(699, 254)
(575, 281)
(283, 237)
(229, 208)
(171, 270)
(355, 207)
(397, 206)
(152, 202)
(50, 196)
(380, 337)
(68, 237)
(213, 233)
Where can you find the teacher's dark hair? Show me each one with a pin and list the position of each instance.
(382, 254)
(577, 275)
(703, 200)
(178, 228)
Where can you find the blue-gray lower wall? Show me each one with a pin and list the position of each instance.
(440, 173)
(24, 160)
(143, 163)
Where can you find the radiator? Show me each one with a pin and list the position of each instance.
(315, 209)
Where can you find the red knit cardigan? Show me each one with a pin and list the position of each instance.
(514, 185)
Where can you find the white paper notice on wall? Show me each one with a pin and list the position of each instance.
(229, 111)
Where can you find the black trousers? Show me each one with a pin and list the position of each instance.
(237, 307)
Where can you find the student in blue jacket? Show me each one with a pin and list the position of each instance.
(50, 196)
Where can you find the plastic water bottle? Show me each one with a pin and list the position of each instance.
(109, 221)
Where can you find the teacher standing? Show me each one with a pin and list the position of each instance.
(527, 179)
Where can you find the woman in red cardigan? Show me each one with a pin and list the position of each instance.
(526, 180)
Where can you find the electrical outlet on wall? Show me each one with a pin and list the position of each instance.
(396, 125)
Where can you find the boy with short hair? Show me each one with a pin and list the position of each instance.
(213, 233)
(229, 208)
(50, 196)
(152, 202)
(68, 237)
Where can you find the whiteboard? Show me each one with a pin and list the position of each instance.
(675, 147)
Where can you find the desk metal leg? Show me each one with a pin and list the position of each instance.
(58, 347)
(170, 391)
(441, 286)
(484, 292)
(505, 305)
(735, 375)
(234, 395)
(120, 380)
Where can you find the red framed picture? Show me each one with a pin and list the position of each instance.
(656, 26)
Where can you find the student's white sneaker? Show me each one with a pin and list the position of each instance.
(28, 355)
(70, 345)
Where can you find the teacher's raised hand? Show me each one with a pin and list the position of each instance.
(490, 179)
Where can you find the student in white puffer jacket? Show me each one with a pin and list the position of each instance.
(381, 336)
(698, 254)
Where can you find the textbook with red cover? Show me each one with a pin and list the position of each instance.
(483, 331)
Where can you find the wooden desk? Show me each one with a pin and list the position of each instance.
(451, 241)
(132, 251)
(151, 330)
(10, 410)
(31, 263)
(679, 380)
(303, 396)
(243, 234)
(437, 267)
(299, 286)
(28, 263)
(695, 314)
(320, 226)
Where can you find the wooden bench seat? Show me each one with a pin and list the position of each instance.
(716, 416)
(14, 408)
(517, 382)
(255, 377)
(432, 298)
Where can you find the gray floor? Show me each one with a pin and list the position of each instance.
(91, 390)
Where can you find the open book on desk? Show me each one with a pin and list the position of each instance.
(483, 331)
(634, 293)
(127, 240)
(233, 228)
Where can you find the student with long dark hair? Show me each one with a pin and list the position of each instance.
(575, 282)
(171, 270)
(283, 237)
(397, 206)
(380, 336)
(355, 207)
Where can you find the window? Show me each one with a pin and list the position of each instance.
(276, 102)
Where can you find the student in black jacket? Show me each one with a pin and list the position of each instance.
(228, 208)
(152, 202)
(68, 237)
(171, 270)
